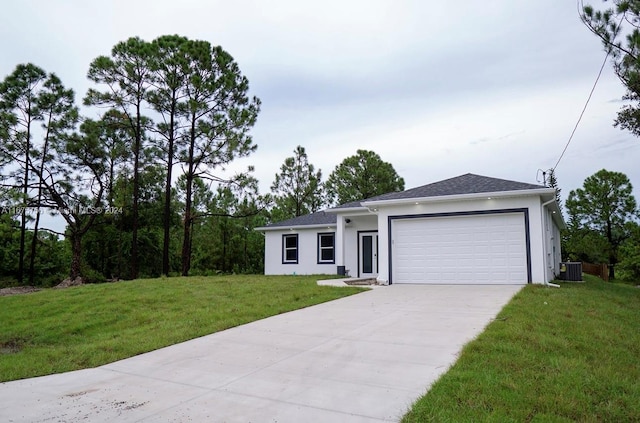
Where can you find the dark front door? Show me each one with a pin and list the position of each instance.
(368, 242)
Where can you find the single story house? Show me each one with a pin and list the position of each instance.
(470, 229)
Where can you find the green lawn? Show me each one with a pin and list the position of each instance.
(54, 331)
(552, 355)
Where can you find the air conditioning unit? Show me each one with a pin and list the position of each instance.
(571, 271)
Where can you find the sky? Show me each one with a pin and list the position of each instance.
(436, 88)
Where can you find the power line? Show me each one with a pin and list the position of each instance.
(604, 62)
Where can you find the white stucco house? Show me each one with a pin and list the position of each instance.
(470, 229)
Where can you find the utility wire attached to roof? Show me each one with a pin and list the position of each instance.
(604, 62)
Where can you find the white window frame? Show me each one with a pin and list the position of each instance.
(285, 249)
(332, 247)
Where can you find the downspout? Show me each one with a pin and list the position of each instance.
(544, 243)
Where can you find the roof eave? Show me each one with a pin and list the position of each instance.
(460, 197)
(291, 227)
(557, 215)
(347, 210)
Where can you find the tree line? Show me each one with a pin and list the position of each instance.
(142, 188)
(172, 101)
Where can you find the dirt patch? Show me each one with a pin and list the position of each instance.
(70, 282)
(361, 281)
(18, 290)
(11, 346)
(15, 290)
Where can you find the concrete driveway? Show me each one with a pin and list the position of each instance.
(364, 358)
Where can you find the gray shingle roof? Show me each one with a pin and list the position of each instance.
(463, 184)
(317, 218)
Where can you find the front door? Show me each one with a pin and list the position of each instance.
(368, 260)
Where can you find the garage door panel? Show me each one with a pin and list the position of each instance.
(482, 262)
(498, 249)
(461, 249)
(499, 261)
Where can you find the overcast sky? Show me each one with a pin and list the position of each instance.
(490, 87)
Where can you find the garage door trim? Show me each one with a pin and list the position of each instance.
(524, 211)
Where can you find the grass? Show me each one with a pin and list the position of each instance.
(55, 331)
(551, 355)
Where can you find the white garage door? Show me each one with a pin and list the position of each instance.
(474, 249)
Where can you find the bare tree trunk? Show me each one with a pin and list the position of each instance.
(188, 216)
(25, 192)
(34, 238)
(612, 257)
(120, 271)
(136, 195)
(224, 245)
(166, 221)
(34, 242)
(245, 247)
(186, 239)
(188, 221)
(23, 228)
(76, 255)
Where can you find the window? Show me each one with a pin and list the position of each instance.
(290, 249)
(326, 248)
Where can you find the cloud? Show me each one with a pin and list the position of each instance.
(492, 87)
(619, 144)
